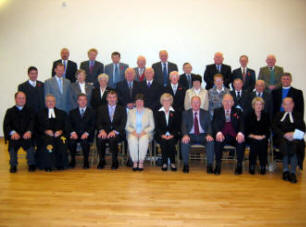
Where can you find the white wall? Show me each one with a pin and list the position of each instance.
(33, 31)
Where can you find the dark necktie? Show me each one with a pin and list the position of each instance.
(238, 95)
(130, 89)
(196, 124)
(189, 80)
(149, 84)
(91, 65)
(243, 74)
(116, 76)
(165, 74)
(82, 113)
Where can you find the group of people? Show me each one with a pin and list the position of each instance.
(117, 103)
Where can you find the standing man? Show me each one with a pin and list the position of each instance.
(217, 67)
(60, 88)
(163, 68)
(18, 127)
(34, 90)
(140, 69)
(187, 76)
(247, 75)
(241, 97)
(92, 67)
(70, 67)
(115, 70)
(271, 73)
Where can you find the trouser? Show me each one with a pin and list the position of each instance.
(231, 141)
(258, 148)
(113, 144)
(14, 146)
(168, 150)
(85, 148)
(288, 148)
(138, 147)
(200, 139)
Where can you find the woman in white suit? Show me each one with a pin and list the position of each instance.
(196, 90)
(139, 128)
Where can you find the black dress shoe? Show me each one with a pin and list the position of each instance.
(48, 169)
(292, 178)
(252, 169)
(262, 170)
(101, 164)
(186, 169)
(72, 164)
(86, 165)
(13, 169)
(115, 165)
(164, 167)
(135, 169)
(218, 169)
(286, 176)
(173, 168)
(32, 168)
(238, 169)
(210, 169)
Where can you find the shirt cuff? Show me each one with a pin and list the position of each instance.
(12, 132)
(116, 132)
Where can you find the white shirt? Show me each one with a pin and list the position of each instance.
(240, 92)
(51, 113)
(149, 81)
(102, 92)
(140, 71)
(197, 91)
(200, 127)
(167, 115)
(219, 91)
(82, 87)
(33, 83)
(245, 69)
(84, 109)
(174, 87)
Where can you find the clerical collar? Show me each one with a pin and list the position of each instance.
(19, 107)
(286, 88)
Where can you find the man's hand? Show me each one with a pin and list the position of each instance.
(240, 137)
(84, 136)
(27, 135)
(15, 136)
(289, 136)
(209, 138)
(102, 134)
(112, 134)
(186, 139)
(220, 137)
(49, 132)
(58, 133)
(143, 133)
(74, 136)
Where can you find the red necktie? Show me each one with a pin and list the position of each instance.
(196, 124)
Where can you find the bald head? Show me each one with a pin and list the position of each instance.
(218, 58)
(288, 104)
(260, 86)
(65, 53)
(271, 60)
(129, 74)
(163, 55)
(149, 73)
(174, 77)
(141, 62)
(195, 103)
(227, 102)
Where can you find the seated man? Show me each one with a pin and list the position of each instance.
(289, 128)
(52, 128)
(228, 128)
(82, 127)
(18, 128)
(111, 120)
(196, 129)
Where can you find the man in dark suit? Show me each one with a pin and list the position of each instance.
(228, 128)
(52, 127)
(187, 76)
(81, 129)
(285, 126)
(247, 75)
(241, 97)
(70, 66)
(18, 127)
(217, 67)
(34, 90)
(261, 92)
(163, 68)
(196, 129)
(92, 67)
(111, 120)
(286, 90)
(128, 89)
(151, 90)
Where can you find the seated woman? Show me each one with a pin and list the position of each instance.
(166, 130)
(139, 128)
(257, 130)
(80, 87)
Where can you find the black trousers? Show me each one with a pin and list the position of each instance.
(113, 144)
(258, 148)
(230, 141)
(168, 149)
(85, 144)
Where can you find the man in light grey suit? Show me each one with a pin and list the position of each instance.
(60, 88)
(196, 129)
(115, 70)
(140, 69)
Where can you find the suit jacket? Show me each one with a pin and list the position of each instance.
(243, 101)
(119, 119)
(35, 95)
(211, 70)
(123, 92)
(92, 77)
(60, 122)
(137, 76)
(184, 82)
(203, 95)
(295, 94)
(147, 122)
(151, 94)
(264, 74)
(218, 121)
(17, 120)
(187, 122)
(63, 101)
(71, 69)
(178, 97)
(266, 96)
(109, 70)
(80, 124)
(158, 69)
(76, 90)
(161, 126)
(96, 99)
(250, 78)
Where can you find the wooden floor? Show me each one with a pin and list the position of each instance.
(151, 198)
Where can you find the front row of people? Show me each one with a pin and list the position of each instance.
(51, 131)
